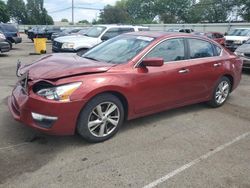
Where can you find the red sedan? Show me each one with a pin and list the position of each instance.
(126, 77)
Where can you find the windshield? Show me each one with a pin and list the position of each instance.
(9, 28)
(95, 31)
(119, 50)
(239, 32)
(82, 31)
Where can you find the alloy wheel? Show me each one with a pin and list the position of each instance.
(222, 92)
(103, 119)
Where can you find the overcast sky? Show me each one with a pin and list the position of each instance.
(80, 14)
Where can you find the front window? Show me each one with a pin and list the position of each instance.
(95, 31)
(169, 50)
(119, 50)
(239, 32)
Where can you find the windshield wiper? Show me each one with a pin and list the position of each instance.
(91, 58)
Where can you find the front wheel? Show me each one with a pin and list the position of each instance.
(101, 118)
(221, 92)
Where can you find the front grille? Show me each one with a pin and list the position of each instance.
(24, 82)
(57, 44)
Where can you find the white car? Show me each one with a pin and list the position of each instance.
(93, 36)
(236, 37)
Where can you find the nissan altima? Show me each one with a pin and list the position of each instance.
(127, 77)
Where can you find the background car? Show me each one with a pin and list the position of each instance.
(216, 36)
(182, 30)
(4, 46)
(65, 32)
(129, 76)
(236, 37)
(42, 32)
(243, 52)
(92, 37)
(11, 33)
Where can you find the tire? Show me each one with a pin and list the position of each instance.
(10, 43)
(95, 123)
(221, 92)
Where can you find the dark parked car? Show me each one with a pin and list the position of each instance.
(11, 33)
(126, 77)
(42, 32)
(243, 52)
(181, 30)
(65, 32)
(4, 46)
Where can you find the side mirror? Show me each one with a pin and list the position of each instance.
(104, 38)
(152, 62)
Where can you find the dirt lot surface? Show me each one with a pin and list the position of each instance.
(194, 146)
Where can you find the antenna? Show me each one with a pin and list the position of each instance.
(72, 12)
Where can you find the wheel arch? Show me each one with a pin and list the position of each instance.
(120, 95)
(230, 77)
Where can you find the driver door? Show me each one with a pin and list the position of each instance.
(162, 87)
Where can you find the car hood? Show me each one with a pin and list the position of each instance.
(76, 39)
(245, 48)
(241, 38)
(56, 66)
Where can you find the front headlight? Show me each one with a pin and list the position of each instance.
(68, 45)
(59, 93)
(237, 42)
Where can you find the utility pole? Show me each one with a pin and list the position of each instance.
(72, 12)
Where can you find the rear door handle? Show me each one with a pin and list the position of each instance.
(217, 64)
(182, 71)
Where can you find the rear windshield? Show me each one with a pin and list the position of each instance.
(7, 27)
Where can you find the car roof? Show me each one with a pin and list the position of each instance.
(157, 34)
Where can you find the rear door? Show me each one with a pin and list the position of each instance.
(204, 68)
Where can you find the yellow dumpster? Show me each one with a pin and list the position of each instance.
(40, 45)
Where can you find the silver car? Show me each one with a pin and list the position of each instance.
(243, 52)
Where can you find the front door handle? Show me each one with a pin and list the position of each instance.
(217, 64)
(182, 71)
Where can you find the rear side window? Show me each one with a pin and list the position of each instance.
(200, 48)
(169, 50)
(217, 35)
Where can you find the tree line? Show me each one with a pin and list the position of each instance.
(32, 12)
(175, 11)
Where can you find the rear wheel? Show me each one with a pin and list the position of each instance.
(221, 92)
(101, 118)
